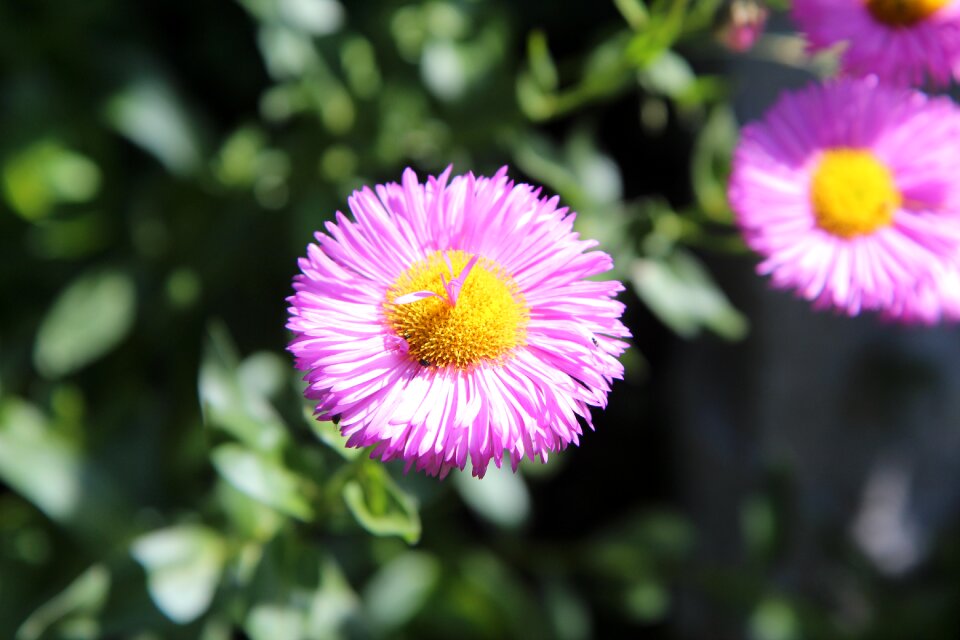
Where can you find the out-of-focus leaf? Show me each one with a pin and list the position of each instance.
(636, 550)
(682, 294)
(359, 63)
(236, 164)
(333, 604)
(500, 497)
(606, 72)
(444, 69)
(263, 479)
(316, 17)
(38, 463)
(666, 534)
(658, 33)
(542, 67)
(774, 619)
(183, 288)
(183, 565)
(710, 166)
(758, 524)
(329, 434)
(234, 401)
(263, 373)
(537, 157)
(273, 621)
(151, 115)
(634, 12)
(596, 171)
(400, 589)
(286, 52)
(338, 163)
(409, 30)
(379, 505)
(250, 517)
(668, 75)
(535, 103)
(83, 597)
(490, 584)
(69, 238)
(568, 612)
(47, 173)
(647, 601)
(88, 319)
(336, 107)
(446, 20)
(215, 628)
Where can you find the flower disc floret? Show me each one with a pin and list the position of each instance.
(903, 13)
(852, 193)
(486, 322)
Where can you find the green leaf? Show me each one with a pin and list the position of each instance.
(38, 463)
(47, 173)
(501, 497)
(669, 75)
(263, 479)
(263, 373)
(542, 67)
(84, 596)
(152, 115)
(597, 172)
(758, 524)
(250, 518)
(333, 604)
(234, 395)
(710, 165)
(400, 589)
(271, 621)
(680, 291)
(329, 434)
(237, 163)
(286, 52)
(634, 12)
(659, 32)
(183, 565)
(316, 17)
(539, 158)
(88, 319)
(647, 601)
(379, 505)
(774, 619)
(567, 610)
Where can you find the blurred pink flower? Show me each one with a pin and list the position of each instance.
(741, 24)
(901, 41)
(849, 191)
(453, 320)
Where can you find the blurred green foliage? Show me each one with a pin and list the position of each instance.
(163, 164)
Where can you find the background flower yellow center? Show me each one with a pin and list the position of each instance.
(903, 13)
(488, 320)
(853, 193)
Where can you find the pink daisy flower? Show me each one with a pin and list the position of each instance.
(849, 191)
(904, 41)
(935, 297)
(453, 320)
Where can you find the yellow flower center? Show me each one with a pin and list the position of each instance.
(486, 319)
(853, 193)
(903, 13)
